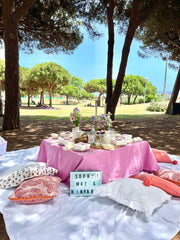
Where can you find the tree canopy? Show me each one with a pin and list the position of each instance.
(69, 91)
(160, 33)
(75, 89)
(96, 85)
(49, 25)
(27, 83)
(135, 86)
(77, 82)
(50, 76)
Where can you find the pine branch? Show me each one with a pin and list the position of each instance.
(23, 7)
(148, 11)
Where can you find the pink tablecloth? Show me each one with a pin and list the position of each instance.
(122, 162)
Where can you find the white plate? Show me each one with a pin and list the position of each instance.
(85, 150)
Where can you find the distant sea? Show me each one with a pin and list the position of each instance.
(167, 92)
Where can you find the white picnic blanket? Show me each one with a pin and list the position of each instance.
(83, 218)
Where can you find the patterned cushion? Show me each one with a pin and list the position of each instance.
(170, 175)
(36, 190)
(15, 176)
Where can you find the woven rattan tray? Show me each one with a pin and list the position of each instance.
(100, 147)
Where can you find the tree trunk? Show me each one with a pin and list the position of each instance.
(110, 13)
(29, 99)
(50, 97)
(99, 100)
(1, 103)
(67, 100)
(11, 13)
(122, 69)
(11, 114)
(42, 97)
(174, 94)
(111, 105)
(134, 101)
(129, 98)
(135, 20)
(1, 107)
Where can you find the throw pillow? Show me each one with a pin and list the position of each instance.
(150, 179)
(36, 190)
(170, 175)
(15, 176)
(132, 193)
(162, 156)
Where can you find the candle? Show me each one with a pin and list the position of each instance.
(105, 109)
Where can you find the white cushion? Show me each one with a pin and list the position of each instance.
(13, 177)
(133, 194)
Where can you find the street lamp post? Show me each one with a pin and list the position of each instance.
(146, 79)
(164, 90)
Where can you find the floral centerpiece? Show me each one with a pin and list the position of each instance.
(75, 116)
(103, 121)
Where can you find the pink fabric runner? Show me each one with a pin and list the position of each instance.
(122, 162)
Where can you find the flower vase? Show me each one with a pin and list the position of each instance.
(76, 132)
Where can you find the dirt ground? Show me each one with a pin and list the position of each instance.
(162, 132)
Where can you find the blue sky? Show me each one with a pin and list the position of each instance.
(89, 61)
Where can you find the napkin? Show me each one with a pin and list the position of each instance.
(69, 145)
(81, 146)
(137, 139)
(54, 135)
(126, 136)
(66, 134)
(63, 141)
(54, 141)
(119, 142)
(108, 146)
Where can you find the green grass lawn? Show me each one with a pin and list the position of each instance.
(63, 111)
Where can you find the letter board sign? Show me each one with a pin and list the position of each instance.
(82, 183)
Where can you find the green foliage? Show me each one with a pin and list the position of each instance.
(159, 97)
(2, 70)
(140, 100)
(2, 73)
(149, 98)
(26, 81)
(135, 86)
(156, 107)
(160, 33)
(77, 82)
(96, 85)
(52, 26)
(132, 85)
(50, 75)
(69, 91)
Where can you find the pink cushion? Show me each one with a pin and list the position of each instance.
(36, 190)
(170, 175)
(149, 179)
(162, 156)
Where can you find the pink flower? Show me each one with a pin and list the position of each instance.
(72, 118)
